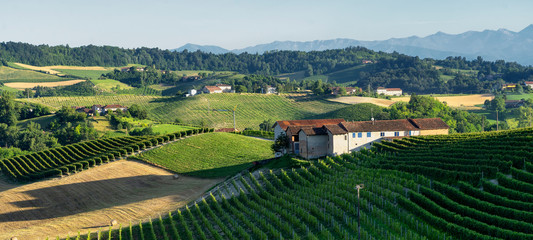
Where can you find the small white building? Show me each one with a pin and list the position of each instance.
(529, 84)
(270, 90)
(389, 91)
(225, 87)
(191, 93)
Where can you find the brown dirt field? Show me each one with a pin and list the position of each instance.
(45, 69)
(467, 101)
(356, 100)
(123, 190)
(50, 69)
(24, 85)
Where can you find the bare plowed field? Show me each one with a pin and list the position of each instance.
(356, 100)
(466, 101)
(124, 191)
(24, 85)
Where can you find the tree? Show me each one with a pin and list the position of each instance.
(266, 125)
(309, 70)
(27, 93)
(8, 111)
(280, 144)
(137, 112)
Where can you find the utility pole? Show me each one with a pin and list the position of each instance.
(358, 187)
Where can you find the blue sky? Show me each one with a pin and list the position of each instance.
(236, 24)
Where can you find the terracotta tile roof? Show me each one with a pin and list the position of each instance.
(311, 122)
(222, 85)
(312, 131)
(429, 123)
(335, 129)
(529, 82)
(379, 126)
(393, 89)
(113, 106)
(97, 105)
(293, 130)
(212, 88)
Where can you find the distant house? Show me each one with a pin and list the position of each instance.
(349, 90)
(114, 108)
(191, 93)
(85, 110)
(331, 137)
(97, 108)
(270, 90)
(225, 87)
(367, 61)
(528, 84)
(389, 91)
(211, 89)
(127, 69)
(506, 86)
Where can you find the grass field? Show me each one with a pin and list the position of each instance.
(44, 121)
(8, 74)
(519, 96)
(108, 84)
(210, 155)
(252, 109)
(87, 201)
(6, 88)
(91, 74)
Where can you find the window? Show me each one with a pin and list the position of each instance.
(359, 135)
(353, 135)
(368, 134)
(382, 134)
(396, 134)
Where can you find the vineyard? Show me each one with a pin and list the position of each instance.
(77, 157)
(449, 194)
(223, 154)
(213, 110)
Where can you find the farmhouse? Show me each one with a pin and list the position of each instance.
(211, 89)
(114, 108)
(270, 90)
(349, 90)
(330, 137)
(389, 91)
(225, 87)
(528, 84)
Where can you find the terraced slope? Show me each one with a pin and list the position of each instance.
(450, 195)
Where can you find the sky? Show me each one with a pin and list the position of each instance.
(234, 24)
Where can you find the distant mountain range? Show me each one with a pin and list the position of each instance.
(500, 44)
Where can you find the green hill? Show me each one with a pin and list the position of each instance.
(347, 76)
(8, 74)
(416, 188)
(210, 154)
(205, 109)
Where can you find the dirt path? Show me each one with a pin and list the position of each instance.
(123, 190)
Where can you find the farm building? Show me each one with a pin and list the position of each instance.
(349, 90)
(269, 90)
(528, 84)
(225, 87)
(330, 137)
(211, 89)
(508, 86)
(191, 93)
(389, 91)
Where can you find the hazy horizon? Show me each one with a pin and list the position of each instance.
(238, 24)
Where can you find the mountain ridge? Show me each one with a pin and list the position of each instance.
(500, 44)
